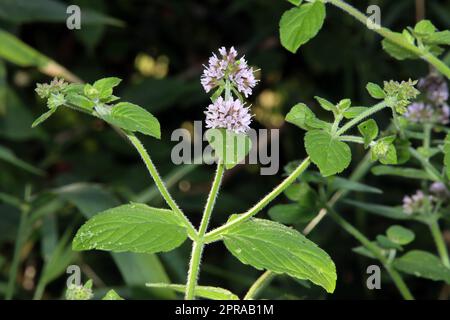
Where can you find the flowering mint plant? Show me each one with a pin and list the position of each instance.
(139, 228)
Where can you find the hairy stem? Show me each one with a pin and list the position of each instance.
(378, 107)
(215, 234)
(440, 243)
(393, 37)
(160, 184)
(198, 245)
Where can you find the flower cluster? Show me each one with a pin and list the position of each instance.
(230, 75)
(45, 90)
(415, 203)
(229, 114)
(433, 108)
(227, 67)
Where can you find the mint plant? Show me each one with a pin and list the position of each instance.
(138, 228)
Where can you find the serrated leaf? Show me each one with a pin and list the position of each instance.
(231, 148)
(301, 24)
(207, 292)
(369, 131)
(43, 117)
(447, 154)
(303, 117)
(329, 154)
(375, 91)
(131, 228)
(424, 265)
(400, 235)
(133, 118)
(269, 245)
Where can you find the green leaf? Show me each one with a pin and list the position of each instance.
(133, 228)
(301, 24)
(292, 213)
(375, 91)
(133, 118)
(212, 293)
(112, 295)
(269, 245)
(424, 265)
(369, 131)
(329, 154)
(43, 117)
(304, 118)
(380, 210)
(400, 235)
(384, 151)
(231, 148)
(325, 104)
(105, 86)
(353, 112)
(401, 172)
(397, 51)
(9, 156)
(439, 38)
(80, 101)
(447, 155)
(424, 27)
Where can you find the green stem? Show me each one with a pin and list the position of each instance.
(375, 250)
(20, 239)
(215, 234)
(431, 170)
(440, 243)
(160, 184)
(260, 284)
(198, 245)
(393, 37)
(352, 139)
(362, 116)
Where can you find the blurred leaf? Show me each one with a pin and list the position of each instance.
(424, 265)
(401, 172)
(131, 228)
(447, 155)
(9, 156)
(23, 11)
(264, 244)
(386, 243)
(400, 235)
(291, 213)
(213, 293)
(385, 211)
(338, 183)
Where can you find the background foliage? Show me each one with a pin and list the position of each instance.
(73, 166)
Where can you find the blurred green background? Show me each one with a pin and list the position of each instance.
(74, 166)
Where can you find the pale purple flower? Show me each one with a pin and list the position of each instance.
(228, 67)
(419, 112)
(415, 203)
(228, 114)
(435, 88)
(440, 190)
